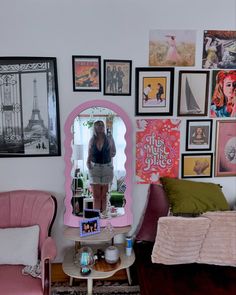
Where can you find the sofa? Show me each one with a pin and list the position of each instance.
(177, 279)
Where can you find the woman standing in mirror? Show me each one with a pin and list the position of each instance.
(101, 150)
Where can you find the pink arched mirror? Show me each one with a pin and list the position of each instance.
(80, 199)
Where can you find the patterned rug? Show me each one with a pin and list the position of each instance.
(99, 288)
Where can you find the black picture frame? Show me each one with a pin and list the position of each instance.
(154, 91)
(197, 165)
(29, 111)
(86, 71)
(193, 90)
(117, 77)
(198, 135)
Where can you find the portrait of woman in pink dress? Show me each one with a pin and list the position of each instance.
(172, 54)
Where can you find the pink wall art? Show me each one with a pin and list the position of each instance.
(157, 149)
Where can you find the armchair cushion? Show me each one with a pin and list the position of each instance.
(12, 281)
(19, 245)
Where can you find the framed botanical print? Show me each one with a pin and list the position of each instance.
(193, 93)
(86, 73)
(117, 77)
(154, 91)
(29, 110)
(225, 163)
(196, 165)
(198, 135)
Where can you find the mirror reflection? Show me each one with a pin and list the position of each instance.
(98, 158)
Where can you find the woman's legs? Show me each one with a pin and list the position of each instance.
(100, 196)
(104, 196)
(97, 190)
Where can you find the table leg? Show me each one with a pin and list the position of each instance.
(89, 286)
(71, 281)
(128, 275)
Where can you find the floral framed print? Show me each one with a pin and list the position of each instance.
(117, 77)
(225, 162)
(157, 149)
(196, 165)
(193, 93)
(86, 73)
(198, 135)
(29, 110)
(154, 91)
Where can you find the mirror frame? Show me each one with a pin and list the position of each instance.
(69, 218)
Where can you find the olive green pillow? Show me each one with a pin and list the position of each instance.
(192, 197)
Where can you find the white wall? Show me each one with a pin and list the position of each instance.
(110, 28)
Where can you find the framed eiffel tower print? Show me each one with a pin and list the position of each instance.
(29, 107)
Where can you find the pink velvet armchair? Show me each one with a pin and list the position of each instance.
(21, 209)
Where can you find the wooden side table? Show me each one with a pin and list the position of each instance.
(73, 270)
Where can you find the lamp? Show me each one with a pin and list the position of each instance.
(85, 259)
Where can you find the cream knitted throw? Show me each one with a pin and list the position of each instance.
(210, 238)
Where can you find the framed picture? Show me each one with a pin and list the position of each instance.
(86, 73)
(157, 149)
(225, 163)
(193, 93)
(222, 94)
(196, 165)
(89, 226)
(117, 77)
(29, 110)
(154, 91)
(219, 49)
(198, 135)
(172, 48)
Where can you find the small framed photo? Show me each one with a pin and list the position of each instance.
(86, 73)
(154, 91)
(193, 93)
(198, 135)
(89, 226)
(225, 163)
(29, 108)
(197, 165)
(117, 77)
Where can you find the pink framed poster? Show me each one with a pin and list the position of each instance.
(157, 149)
(225, 163)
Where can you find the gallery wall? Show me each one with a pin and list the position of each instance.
(114, 30)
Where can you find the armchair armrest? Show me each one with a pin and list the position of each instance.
(48, 253)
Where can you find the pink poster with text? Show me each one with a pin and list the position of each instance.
(157, 149)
